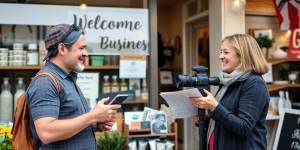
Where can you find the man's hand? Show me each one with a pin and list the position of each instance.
(105, 126)
(105, 113)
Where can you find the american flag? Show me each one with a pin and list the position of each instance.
(288, 14)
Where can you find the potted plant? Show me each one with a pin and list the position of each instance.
(264, 43)
(112, 140)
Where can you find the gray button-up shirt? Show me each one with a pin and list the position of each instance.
(44, 100)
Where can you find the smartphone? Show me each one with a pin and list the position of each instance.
(118, 99)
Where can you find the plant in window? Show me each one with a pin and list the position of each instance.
(264, 43)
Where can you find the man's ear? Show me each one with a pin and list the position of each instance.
(61, 49)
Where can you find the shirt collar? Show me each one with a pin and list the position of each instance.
(72, 75)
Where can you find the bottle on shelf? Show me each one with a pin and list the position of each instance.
(287, 103)
(106, 87)
(123, 85)
(281, 102)
(144, 92)
(20, 89)
(115, 84)
(6, 102)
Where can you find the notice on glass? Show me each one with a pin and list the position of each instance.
(88, 83)
(132, 66)
(180, 102)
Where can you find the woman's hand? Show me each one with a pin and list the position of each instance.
(208, 102)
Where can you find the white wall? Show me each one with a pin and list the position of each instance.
(223, 21)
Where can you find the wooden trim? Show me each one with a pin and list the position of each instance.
(279, 61)
(137, 101)
(153, 65)
(277, 87)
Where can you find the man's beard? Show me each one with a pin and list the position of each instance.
(79, 67)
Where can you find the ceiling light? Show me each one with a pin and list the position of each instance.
(83, 6)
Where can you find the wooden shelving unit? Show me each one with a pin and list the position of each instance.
(276, 87)
(107, 67)
(146, 133)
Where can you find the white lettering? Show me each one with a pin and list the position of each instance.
(296, 134)
(296, 42)
(295, 145)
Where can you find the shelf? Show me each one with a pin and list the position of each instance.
(140, 130)
(276, 87)
(279, 61)
(105, 67)
(108, 67)
(20, 67)
(153, 135)
(137, 101)
(146, 133)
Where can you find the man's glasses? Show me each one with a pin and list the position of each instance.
(72, 28)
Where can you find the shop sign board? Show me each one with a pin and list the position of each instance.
(288, 131)
(109, 31)
(294, 48)
(87, 82)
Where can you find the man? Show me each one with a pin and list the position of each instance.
(159, 124)
(61, 120)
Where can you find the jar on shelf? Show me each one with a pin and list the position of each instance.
(32, 55)
(3, 57)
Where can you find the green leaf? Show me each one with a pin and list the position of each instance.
(111, 141)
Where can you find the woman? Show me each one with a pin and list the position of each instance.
(238, 112)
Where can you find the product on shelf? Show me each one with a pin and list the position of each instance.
(144, 92)
(281, 102)
(115, 84)
(287, 103)
(97, 60)
(6, 101)
(123, 85)
(106, 86)
(17, 57)
(20, 89)
(32, 55)
(3, 57)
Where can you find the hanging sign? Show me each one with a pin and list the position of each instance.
(109, 31)
(294, 48)
(132, 65)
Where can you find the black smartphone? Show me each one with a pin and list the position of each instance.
(118, 99)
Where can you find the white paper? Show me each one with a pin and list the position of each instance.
(180, 102)
(132, 68)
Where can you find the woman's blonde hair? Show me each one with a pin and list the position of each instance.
(252, 58)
